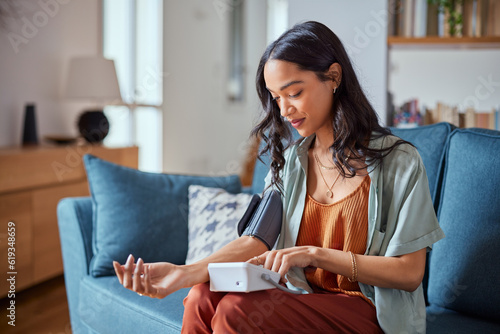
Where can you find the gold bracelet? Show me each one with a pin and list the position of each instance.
(354, 269)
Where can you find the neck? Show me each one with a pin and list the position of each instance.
(323, 141)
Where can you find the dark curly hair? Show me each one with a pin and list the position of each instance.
(312, 46)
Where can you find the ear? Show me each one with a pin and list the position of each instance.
(335, 73)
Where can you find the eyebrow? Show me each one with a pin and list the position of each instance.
(287, 85)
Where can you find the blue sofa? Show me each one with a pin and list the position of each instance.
(462, 279)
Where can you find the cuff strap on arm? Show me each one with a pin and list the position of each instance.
(263, 218)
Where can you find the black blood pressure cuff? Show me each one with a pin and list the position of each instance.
(263, 218)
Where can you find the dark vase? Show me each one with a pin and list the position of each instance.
(29, 132)
(93, 126)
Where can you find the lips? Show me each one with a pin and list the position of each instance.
(297, 122)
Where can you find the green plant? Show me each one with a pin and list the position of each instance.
(455, 17)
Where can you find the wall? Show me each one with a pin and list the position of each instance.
(462, 77)
(32, 67)
(204, 133)
(362, 27)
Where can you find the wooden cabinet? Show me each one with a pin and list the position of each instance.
(32, 181)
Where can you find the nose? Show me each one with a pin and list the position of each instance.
(286, 108)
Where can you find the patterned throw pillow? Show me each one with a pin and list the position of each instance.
(213, 216)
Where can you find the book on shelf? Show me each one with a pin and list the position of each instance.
(409, 115)
(487, 18)
(468, 24)
(432, 18)
(493, 28)
(482, 119)
(467, 18)
(420, 19)
(408, 18)
(470, 118)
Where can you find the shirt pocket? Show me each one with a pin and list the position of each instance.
(377, 240)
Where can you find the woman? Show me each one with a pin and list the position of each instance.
(358, 217)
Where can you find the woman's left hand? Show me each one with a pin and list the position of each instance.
(282, 260)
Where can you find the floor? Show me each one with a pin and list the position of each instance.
(42, 309)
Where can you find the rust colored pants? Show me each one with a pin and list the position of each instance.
(276, 311)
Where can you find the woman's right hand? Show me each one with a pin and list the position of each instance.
(155, 280)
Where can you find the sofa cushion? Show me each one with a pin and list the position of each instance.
(213, 216)
(139, 213)
(463, 270)
(107, 307)
(441, 320)
(430, 142)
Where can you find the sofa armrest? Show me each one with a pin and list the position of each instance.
(74, 217)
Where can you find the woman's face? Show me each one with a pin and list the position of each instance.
(303, 99)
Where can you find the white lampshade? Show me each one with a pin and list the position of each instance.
(92, 78)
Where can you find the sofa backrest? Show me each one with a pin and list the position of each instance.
(464, 269)
(430, 142)
(260, 171)
(262, 167)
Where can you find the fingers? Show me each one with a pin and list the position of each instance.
(256, 260)
(147, 282)
(118, 271)
(270, 262)
(136, 279)
(284, 266)
(277, 263)
(265, 259)
(282, 260)
(128, 270)
(276, 260)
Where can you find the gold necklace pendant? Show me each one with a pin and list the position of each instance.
(329, 192)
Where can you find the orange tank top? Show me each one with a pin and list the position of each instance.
(342, 225)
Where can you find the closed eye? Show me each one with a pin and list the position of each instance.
(291, 96)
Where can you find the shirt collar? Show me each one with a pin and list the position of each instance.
(302, 150)
(376, 142)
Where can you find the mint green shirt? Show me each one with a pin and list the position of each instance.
(401, 220)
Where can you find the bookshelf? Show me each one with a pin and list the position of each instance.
(437, 73)
(449, 23)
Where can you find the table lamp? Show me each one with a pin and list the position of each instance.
(93, 79)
